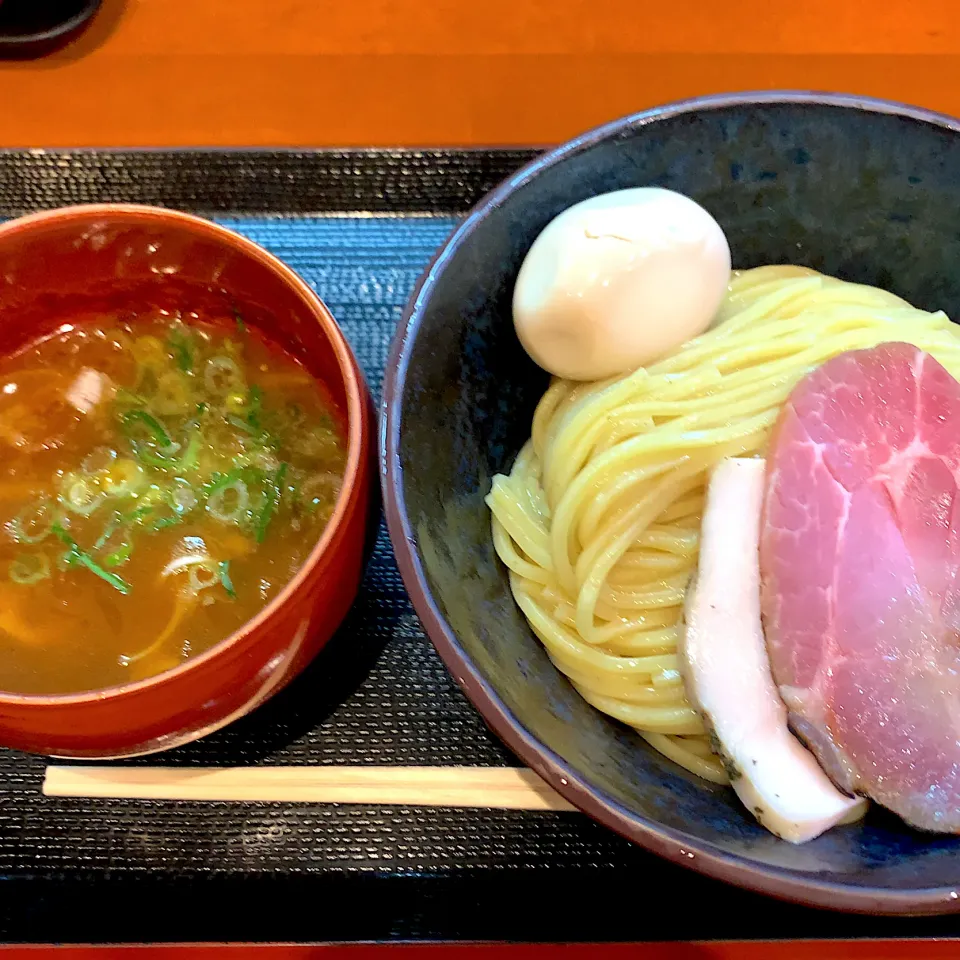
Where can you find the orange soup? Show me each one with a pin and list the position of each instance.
(161, 480)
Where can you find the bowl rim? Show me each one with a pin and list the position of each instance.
(358, 437)
(783, 883)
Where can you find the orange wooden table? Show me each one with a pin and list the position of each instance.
(409, 72)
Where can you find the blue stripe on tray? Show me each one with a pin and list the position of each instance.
(363, 268)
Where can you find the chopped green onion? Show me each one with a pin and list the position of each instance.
(135, 516)
(125, 478)
(218, 507)
(182, 498)
(80, 494)
(251, 426)
(196, 579)
(61, 534)
(129, 398)
(75, 556)
(185, 463)
(29, 569)
(173, 396)
(151, 459)
(118, 583)
(98, 460)
(153, 425)
(224, 568)
(318, 487)
(164, 522)
(238, 317)
(243, 425)
(119, 553)
(32, 524)
(191, 456)
(180, 344)
(109, 530)
(119, 557)
(220, 480)
(274, 493)
(319, 442)
(223, 376)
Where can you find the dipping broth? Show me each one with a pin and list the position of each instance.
(160, 481)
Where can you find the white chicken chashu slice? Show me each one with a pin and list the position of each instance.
(728, 675)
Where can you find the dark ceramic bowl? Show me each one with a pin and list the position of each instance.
(866, 190)
(29, 29)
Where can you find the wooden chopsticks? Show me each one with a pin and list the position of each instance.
(507, 788)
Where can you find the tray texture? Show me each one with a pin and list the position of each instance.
(359, 227)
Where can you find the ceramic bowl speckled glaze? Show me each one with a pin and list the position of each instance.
(127, 258)
(866, 190)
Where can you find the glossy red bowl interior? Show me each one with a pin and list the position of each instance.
(72, 260)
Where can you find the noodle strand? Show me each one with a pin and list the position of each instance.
(598, 521)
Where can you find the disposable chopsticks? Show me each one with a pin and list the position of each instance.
(507, 788)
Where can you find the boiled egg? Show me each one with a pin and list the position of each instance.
(618, 281)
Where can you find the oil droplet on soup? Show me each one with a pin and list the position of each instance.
(160, 482)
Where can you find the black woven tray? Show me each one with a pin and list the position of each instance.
(84, 870)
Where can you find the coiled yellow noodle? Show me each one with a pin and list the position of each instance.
(598, 520)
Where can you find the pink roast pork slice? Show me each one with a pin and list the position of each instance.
(860, 593)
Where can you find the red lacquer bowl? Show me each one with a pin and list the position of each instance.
(111, 256)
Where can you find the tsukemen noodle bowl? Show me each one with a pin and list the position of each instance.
(730, 508)
(186, 442)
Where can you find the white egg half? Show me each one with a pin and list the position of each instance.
(618, 281)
